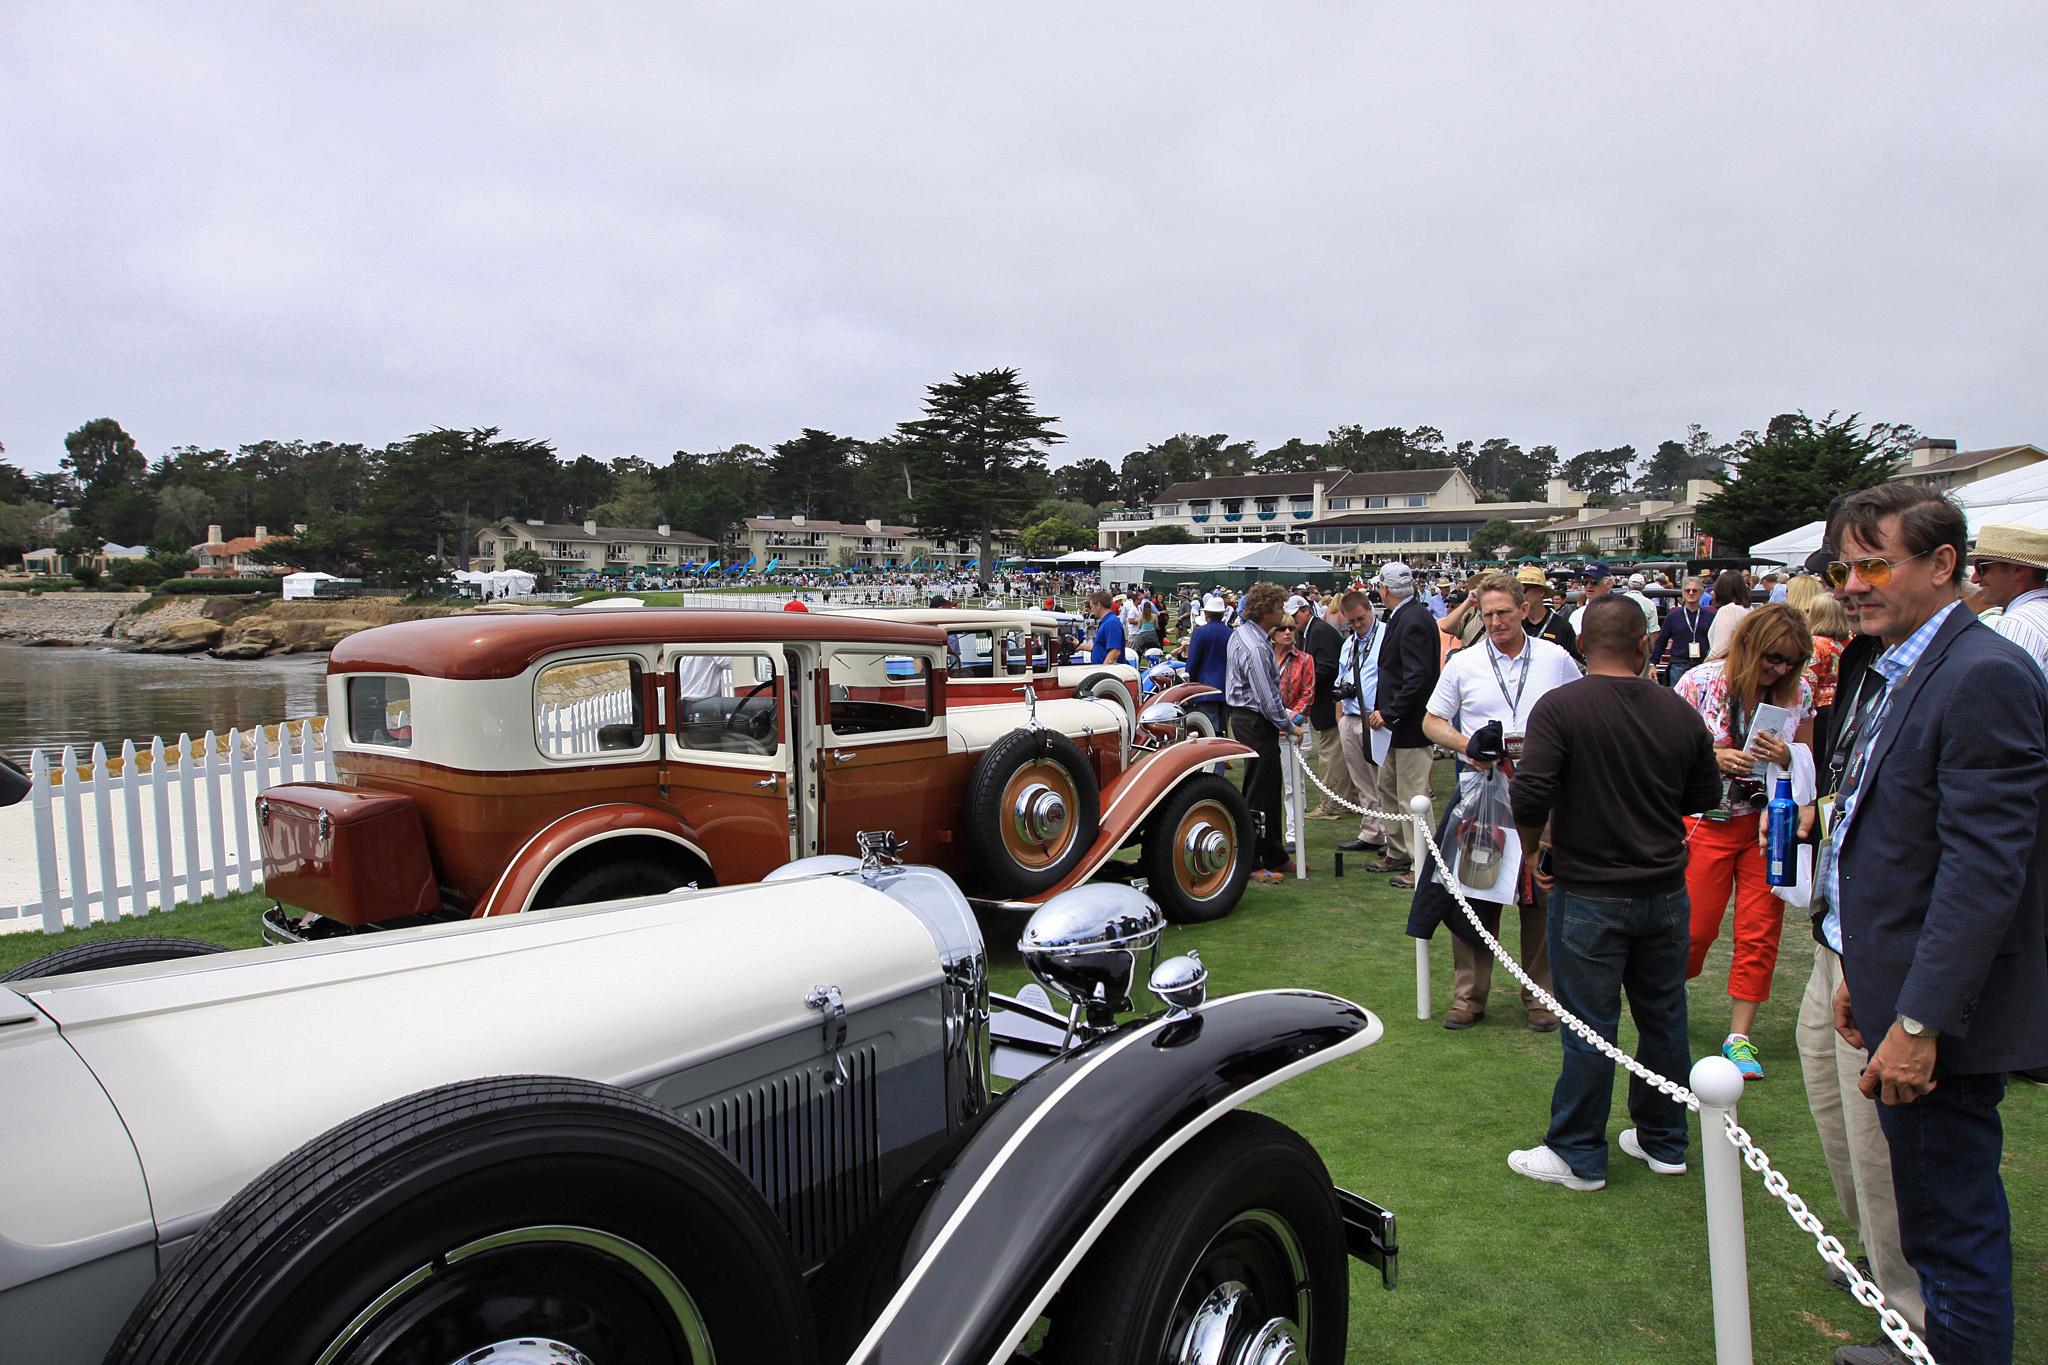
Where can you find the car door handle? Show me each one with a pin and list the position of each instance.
(844, 755)
(767, 782)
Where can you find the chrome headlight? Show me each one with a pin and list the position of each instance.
(1181, 983)
(1164, 713)
(1083, 946)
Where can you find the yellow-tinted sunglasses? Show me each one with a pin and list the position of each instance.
(1875, 572)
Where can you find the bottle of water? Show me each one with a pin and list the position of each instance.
(1781, 846)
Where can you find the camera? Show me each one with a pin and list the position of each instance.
(1347, 690)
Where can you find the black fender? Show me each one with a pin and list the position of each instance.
(960, 1270)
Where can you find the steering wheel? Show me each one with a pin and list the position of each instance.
(760, 726)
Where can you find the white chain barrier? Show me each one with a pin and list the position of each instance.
(1864, 1290)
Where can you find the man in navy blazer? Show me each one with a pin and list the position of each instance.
(1935, 875)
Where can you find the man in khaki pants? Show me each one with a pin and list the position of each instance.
(1410, 660)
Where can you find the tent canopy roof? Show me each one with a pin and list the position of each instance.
(1793, 546)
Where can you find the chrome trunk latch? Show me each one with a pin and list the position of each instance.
(828, 1000)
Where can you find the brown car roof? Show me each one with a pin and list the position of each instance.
(481, 646)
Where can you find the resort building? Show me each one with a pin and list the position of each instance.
(573, 548)
(801, 542)
(1937, 464)
(1620, 530)
(220, 557)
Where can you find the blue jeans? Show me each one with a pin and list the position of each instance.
(1953, 1222)
(1600, 947)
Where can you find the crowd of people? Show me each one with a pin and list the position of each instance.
(1903, 697)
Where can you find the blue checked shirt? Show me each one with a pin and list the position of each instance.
(1893, 665)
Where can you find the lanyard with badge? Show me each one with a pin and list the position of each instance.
(1851, 750)
(1513, 736)
(1360, 649)
(1692, 633)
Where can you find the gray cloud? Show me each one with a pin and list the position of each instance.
(633, 228)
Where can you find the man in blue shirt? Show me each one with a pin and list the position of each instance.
(1109, 630)
(1358, 691)
(1208, 657)
(1682, 644)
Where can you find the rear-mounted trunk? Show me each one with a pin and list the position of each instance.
(354, 857)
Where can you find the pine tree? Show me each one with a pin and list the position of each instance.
(1786, 477)
(975, 455)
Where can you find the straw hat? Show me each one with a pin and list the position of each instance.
(1531, 576)
(2012, 545)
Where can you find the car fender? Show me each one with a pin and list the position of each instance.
(1183, 693)
(1131, 797)
(960, 1272)
(529, 868)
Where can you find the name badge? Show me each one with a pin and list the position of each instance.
(1827, 816)
(1693, 650)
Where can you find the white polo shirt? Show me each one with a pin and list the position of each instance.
(1479, 683)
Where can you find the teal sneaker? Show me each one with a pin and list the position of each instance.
(1739, 1050)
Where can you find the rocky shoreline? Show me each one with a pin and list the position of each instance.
(225, 627)
(82, 618)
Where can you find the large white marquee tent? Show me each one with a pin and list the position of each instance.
(1209, 563)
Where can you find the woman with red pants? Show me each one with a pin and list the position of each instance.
(1764, 664)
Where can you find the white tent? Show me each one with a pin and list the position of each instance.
(1169, 562)
(1794, 546)
(303, 584)
(1078, 558)
(501, 583)
(2018, 485)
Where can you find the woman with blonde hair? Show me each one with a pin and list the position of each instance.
(1765, 663)
(1801, 591)
(1829, 622)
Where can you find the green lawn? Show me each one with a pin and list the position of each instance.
(1494, 1266)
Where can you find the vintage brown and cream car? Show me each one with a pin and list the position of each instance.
(488, 765)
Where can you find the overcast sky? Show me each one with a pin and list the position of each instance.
(635, 228)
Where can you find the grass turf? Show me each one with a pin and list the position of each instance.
(1493, 1265)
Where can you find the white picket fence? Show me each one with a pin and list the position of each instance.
(570, 731)
(159, 824)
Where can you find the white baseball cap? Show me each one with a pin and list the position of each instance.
(1395, 575)
(1296, 603)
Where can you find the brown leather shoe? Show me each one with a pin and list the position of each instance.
(1542, 1021)
(1389, 865)
(1459, 1019)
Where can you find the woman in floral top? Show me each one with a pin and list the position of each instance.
(1765, 662)
(1830, 626)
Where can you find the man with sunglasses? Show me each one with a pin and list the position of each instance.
(1934, 879)
(2012, 569)
(1682, 643)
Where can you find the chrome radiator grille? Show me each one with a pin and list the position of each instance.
(811, 1147)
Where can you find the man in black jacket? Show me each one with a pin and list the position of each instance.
(1410, 660)
(1323, 643)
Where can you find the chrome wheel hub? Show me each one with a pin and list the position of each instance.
(1206, 850)
(1040, 814)
(1230, 1328)
(526, 1351)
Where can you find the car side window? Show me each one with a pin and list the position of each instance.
(873, 692)
(970, 654)
(380, 710)
(587, 707)
(727, 703)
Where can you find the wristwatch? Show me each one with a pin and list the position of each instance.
(1915, 1029)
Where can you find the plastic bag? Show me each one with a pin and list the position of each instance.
(1479, 830)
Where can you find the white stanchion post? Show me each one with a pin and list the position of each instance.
(1300, 802)
(1422, 808)
(1718, 1084)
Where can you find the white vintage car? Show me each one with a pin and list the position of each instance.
(747, 1124)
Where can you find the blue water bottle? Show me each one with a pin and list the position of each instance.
(1781, 819)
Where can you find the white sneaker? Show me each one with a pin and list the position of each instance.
(1540, 1163)
(1634, 1148)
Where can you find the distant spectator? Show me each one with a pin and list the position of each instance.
(1109, 630)
(1731, 604)
(1830, 626)
(2012, 570)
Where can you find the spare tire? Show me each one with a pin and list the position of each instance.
(1033, 810)
(539, 1211)
(129, 951)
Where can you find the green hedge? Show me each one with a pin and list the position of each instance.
(222, 587)
(43, 584)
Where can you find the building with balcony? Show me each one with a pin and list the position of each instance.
(1282, 507)
(1937, 464)
(572, 548)
(1619, 530)
(802, 542)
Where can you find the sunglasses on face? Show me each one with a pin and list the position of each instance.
(1876, 572)
(1780, 661)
